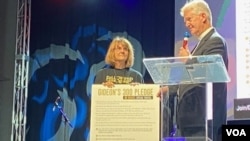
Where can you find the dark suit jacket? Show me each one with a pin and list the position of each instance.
(191, 106)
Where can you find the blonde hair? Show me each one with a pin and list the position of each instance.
(197, 6)
(110, 56)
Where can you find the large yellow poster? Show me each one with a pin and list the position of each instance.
(125, 113)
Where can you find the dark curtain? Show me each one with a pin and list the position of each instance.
(8, 21)
(69, 39)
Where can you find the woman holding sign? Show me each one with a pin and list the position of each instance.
(120, 59)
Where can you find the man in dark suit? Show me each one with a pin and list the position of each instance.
(191, 109)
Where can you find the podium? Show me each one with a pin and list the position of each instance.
(186, 70)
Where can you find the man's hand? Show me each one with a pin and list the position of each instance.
(184, 53)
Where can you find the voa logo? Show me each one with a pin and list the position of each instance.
(236, 132)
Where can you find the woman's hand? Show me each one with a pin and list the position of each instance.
(134, 83)
(163, 89)
(108, 84)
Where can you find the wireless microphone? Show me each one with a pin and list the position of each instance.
(185, 40)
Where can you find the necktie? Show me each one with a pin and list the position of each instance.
(196, 46)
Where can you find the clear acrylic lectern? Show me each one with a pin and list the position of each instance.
(186, 70)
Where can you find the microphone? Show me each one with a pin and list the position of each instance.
(185, 40)
(56, 102)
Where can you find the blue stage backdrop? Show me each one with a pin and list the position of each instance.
(68, 42)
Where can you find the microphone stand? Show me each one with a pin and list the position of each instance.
(66, 119)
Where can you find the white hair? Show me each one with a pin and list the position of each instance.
(197, 6)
